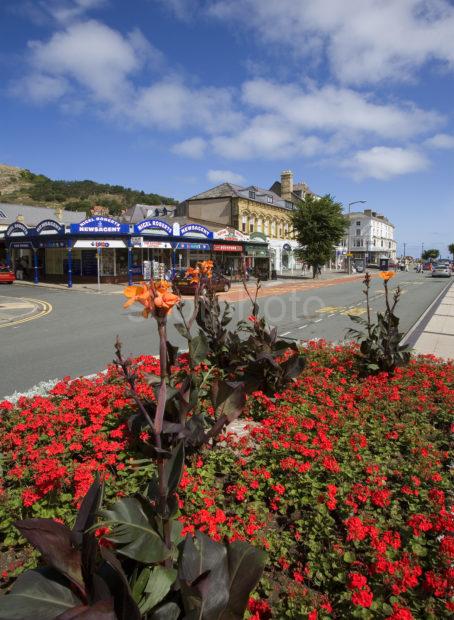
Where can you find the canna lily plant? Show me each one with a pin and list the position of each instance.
(142, 568)
(380, 343)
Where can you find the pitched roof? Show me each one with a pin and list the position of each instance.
(34, 215)
(229, 190)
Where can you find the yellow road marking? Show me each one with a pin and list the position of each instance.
(354, 311)
(330, 309)
(46, 309)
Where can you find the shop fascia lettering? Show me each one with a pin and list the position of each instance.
(94, 244)
(99, 225)
(153, 227)
(230, 234)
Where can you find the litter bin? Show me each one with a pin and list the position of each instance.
(384, 264)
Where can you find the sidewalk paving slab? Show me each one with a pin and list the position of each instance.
(437, 337)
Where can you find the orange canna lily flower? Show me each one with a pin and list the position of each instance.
(135, 293)
(192, 275)
(387, 275)
(166, 301)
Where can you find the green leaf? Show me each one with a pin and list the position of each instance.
(349, 557)
(134, 532)
(159, 584)
(37, 595)
(138, 587)
(181, 328)
(198, 348)
(173, 468)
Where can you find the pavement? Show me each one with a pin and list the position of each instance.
(434, 332)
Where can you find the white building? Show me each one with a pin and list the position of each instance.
(370, 237)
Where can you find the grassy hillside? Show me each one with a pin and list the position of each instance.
(21, 186)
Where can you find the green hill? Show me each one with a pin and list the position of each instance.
(21, 186)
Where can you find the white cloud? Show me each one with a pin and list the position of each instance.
(363, 40)
(329, 109)
(193, 147)
(39, 88)
(173, 105)
(381, 162)
(65, 11)
(440, 141)
(224, 176)
(93, 54)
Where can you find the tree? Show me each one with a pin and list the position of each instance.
(432, 254)
(319, 226)
(451, 249)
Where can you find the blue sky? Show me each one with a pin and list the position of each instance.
(175, 96)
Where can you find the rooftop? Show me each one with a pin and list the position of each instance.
(251, 192)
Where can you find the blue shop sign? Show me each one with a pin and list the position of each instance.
(21, 245)
(49, 226)
(17, 229)
(99, 225)
(196, 230)
(152, 226)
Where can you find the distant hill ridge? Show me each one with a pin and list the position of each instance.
(20, 186)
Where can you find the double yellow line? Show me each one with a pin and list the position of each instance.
(45, 308)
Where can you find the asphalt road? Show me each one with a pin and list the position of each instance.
(77, 336)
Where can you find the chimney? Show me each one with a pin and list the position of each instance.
(287, 185)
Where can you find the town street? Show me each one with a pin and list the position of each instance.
(74, 332)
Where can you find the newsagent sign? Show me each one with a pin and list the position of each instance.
(99, 225)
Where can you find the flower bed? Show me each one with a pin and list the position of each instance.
(343, 480)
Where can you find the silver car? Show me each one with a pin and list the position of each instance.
(441, 270)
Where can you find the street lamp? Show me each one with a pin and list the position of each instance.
(355, 202)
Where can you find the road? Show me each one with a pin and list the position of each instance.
(76, 336)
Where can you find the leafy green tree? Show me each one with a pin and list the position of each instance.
(319, 226)
(451, 249)
(432, 254)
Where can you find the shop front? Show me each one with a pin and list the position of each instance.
(152, 248)
(257, 256)
(229, 252)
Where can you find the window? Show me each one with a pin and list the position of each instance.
(251, 194)
(382, 243)
(251, 224)
(267, 227)
(269, 199)
(289, 204)
(358, 223)
(286, 230)
(358, 231)
(273, 229)
(260, 225)
(243, 223)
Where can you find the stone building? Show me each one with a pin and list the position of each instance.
(253, 210)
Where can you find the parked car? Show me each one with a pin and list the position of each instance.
(182, 285)
(441, 270)
(6, 275)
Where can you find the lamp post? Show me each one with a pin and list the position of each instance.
(355, 202)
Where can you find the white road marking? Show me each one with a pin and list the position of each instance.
(331, 314)
(317, 320)
(285, 333)
(302, 326)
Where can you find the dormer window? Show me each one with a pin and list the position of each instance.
(251, 194)
(269, 199)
